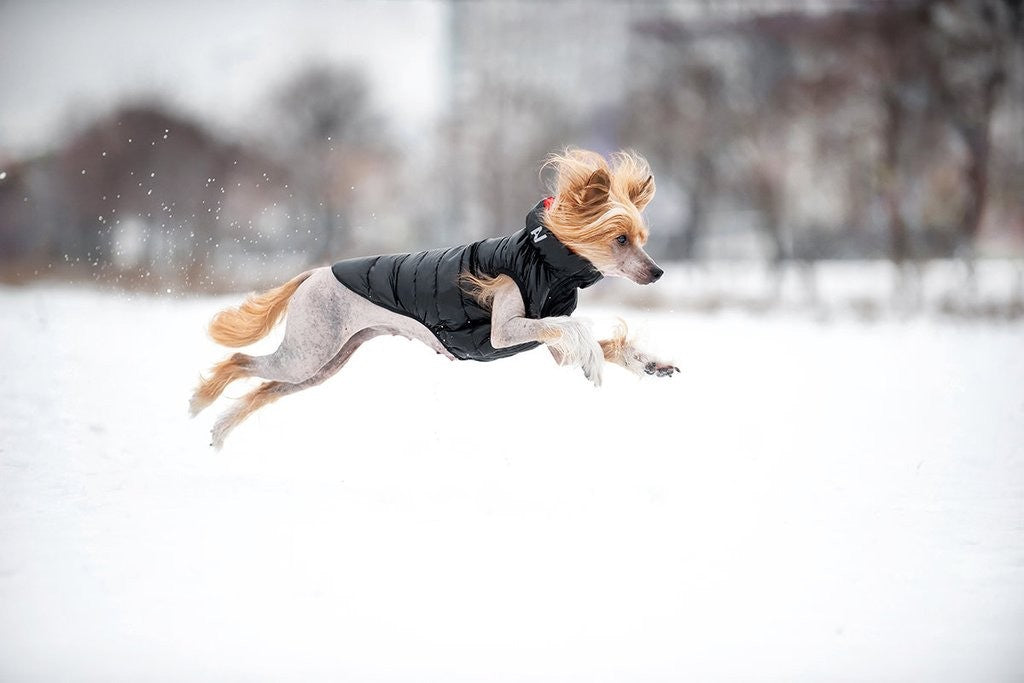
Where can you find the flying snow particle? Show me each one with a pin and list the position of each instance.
(83, 171)
(3, 174)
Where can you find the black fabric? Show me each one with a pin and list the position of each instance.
(425, 285)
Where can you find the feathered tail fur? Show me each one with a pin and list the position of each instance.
(253, 320)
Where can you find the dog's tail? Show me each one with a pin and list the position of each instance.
(242, 325)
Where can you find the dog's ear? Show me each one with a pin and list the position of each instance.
(641, 194)
(594, 193)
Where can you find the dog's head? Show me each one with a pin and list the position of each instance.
(597, 208)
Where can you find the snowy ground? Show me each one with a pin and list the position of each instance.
(807, 502)
(864, 289)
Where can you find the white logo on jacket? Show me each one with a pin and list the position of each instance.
(538, 234)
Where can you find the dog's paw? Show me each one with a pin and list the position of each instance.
(642, 363)
(659, 369)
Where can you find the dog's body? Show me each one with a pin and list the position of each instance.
(428, 285)
(594, 216)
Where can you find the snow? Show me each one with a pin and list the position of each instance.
(862, 288)
(808, 501)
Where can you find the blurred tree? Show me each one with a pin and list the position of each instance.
(144, 167)
(764, 107)
(20, 233)
(516, 127)
(970, 48)
(676, 112)
(139, 194)
(330, 137)
(711, 112)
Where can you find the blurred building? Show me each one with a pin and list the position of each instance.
(526, 80)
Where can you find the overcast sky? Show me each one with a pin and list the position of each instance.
(67, 61)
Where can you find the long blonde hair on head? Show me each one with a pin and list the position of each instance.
(596, 200)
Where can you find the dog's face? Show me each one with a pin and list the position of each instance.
(623, 255)
(598, 213)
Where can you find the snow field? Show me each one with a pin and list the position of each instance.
(806, 502)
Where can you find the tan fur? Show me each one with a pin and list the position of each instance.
(614, 348)
(596, 201)
(483, 288)
(549, 333)
(221, 375)
(256, 316)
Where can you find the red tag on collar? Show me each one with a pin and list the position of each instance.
(548, 202)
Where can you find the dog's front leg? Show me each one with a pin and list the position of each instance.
(622, 351)
(570, 341)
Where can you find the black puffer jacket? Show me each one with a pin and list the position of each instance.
(425, 285)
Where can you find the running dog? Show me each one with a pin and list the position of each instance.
(481, 301)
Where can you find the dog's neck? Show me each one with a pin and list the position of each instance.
(570, 264)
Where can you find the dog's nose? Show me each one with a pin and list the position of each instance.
(656, 273)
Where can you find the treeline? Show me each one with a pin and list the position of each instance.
(148, 195)
(877, 130)
(886, 128)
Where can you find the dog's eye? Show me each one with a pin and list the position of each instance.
(621, 239)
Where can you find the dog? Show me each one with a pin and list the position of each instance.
(482, 301)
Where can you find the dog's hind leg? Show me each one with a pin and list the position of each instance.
(222, 374)
(317, 326)
(315, 331)
(269, 392)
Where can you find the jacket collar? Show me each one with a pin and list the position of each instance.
(568, 264)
